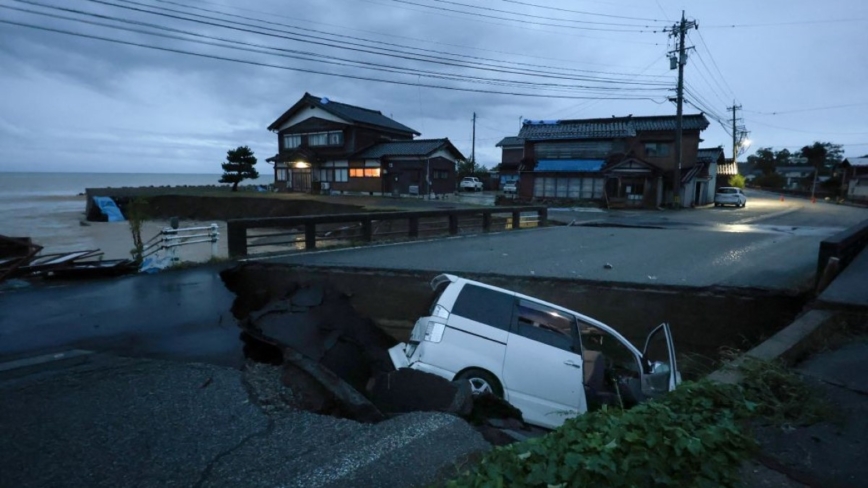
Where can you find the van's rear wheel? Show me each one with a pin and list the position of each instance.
(481, 382)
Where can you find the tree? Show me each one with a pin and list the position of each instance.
(823, 154)
(239, 166)
(736, 181)
(763, 160)
(771, 180)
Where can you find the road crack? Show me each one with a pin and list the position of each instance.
(206, 473)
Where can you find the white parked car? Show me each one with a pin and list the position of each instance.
(510, 187)
(729, 195)
(470, 183)
(549, 362)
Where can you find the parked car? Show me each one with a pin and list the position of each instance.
(729, 195)
(510, 187)
(470, 183)
(549, 362)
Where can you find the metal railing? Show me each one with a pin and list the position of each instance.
(304, 232)
(169, 239)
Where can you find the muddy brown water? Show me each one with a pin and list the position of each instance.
(704, 322)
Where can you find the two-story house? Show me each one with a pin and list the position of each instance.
(328, 146)
(620, 160)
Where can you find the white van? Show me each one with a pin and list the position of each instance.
(547, 361)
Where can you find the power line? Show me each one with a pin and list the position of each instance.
(287, 68)
(714, 63)
(808, 131)
(779, 24)
(299, 54)
(582, 12)
(383, 42)
(523, 21)
(321, 41)
(814, 109)
(561, 19)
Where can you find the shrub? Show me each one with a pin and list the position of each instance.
(690, 438)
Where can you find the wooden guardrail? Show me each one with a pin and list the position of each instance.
(844, 246)
(238, 235)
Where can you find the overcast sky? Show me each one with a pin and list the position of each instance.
(798, 67)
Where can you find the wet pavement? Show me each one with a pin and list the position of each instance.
(181, 314)
(645, 257)
(832, 453)
(134, 422)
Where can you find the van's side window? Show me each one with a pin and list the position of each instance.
(544, 324)
(484, 305)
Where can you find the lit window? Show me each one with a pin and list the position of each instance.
(364, 172)
(291, 141)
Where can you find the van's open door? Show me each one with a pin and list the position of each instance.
(660, 371)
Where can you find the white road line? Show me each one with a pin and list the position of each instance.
(44, 359)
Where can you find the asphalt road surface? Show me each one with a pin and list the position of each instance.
(769, 244)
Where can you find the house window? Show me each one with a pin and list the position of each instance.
(336, 138)
(318, 139)
(291, 140)
(281, 174)
(341, 175)
(657, 149)
(364, 172)
(441, 175)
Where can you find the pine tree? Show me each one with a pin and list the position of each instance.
(239, 166)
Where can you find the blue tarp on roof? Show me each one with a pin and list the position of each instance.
(570, 165)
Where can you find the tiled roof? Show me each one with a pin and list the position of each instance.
(421, 147)
(347, 112)
(510, 141)
(857, 161)
(615, 127)
(709, 154)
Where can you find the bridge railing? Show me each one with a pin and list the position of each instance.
(306, 232)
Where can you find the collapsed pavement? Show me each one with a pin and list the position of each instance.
(335, 361)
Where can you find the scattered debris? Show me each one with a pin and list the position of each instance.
(322, 356)
(608, 266)
(652, 277)
(19, 258)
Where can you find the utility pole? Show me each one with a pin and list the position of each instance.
(473, 147)
(736, 134)
(680, 30)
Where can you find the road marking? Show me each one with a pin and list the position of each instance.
(766, 216)
(45, 358)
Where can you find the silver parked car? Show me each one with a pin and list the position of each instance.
(730, 195)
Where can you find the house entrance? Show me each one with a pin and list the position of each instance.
(301, 179)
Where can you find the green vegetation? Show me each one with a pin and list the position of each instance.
(239, 166)
(736, 181)
(695, 436)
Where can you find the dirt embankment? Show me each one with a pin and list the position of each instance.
(206, 208)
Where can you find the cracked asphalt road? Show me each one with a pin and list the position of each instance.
(134, 422)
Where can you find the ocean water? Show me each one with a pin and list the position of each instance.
(49, 207)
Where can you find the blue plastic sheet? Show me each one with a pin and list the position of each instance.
(108, 208)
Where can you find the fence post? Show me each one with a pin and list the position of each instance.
(486, 221)
(214, 234)
(414, 226)
(236, 235)
(516, 219)
(453, 224)
(367, 230)
(543, 214)
(310, 235)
